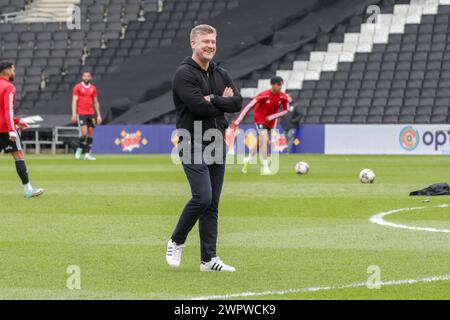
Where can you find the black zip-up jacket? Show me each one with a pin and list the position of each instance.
(191, 84)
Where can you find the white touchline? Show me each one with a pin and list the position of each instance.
(324, 288)
(379, 219)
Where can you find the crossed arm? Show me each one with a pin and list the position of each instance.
(189, 92)
(231, 100)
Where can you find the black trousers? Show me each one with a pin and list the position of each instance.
(206, 186)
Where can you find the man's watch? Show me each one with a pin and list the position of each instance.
(212, 96)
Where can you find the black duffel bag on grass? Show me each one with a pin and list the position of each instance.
(437, 189)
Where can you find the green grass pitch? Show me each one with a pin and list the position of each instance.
(113, 217)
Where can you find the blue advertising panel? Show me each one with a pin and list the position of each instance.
(133, 139)
(310, 138)
(153, 139)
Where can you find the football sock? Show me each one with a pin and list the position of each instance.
(89, 141)
(27, 187)
(82, 144)
(266, 163)
(21, 169)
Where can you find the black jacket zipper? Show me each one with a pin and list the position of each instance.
(209, 87)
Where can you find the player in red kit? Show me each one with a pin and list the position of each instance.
(9, 137)
(85, 111)
(267, 107)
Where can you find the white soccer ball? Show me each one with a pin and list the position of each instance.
(301, 168)
(367, 176)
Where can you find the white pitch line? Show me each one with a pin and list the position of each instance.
(324, 288)
(379, 219)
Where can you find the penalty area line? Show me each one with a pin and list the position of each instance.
(379, 219)
(324, 288)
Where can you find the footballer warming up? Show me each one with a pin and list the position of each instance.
(9, 125)
(267, 104)
(85, 112)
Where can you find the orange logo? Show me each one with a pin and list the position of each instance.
(130, 141)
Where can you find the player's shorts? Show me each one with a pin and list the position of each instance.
(9, 146)
(89, 120)
(260, 127)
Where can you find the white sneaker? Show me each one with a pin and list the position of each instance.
(34, 192)
(173, 254)
(265, 171)
(78, 153)
(216, 265)
(88, 156)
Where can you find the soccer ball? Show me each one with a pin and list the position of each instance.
(367, 176)
(301, 168)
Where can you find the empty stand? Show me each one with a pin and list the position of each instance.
(353, 74)
(50, 58)
(358, 74)
(9, 6)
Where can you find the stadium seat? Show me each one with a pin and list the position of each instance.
(378, 78)
(392, 78)
(52, 39)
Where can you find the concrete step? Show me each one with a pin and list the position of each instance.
(47, 11)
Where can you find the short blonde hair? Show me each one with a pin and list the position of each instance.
(202, 29)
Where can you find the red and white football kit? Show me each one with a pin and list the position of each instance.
(7, 99)
(267, 110)
(86, 95)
